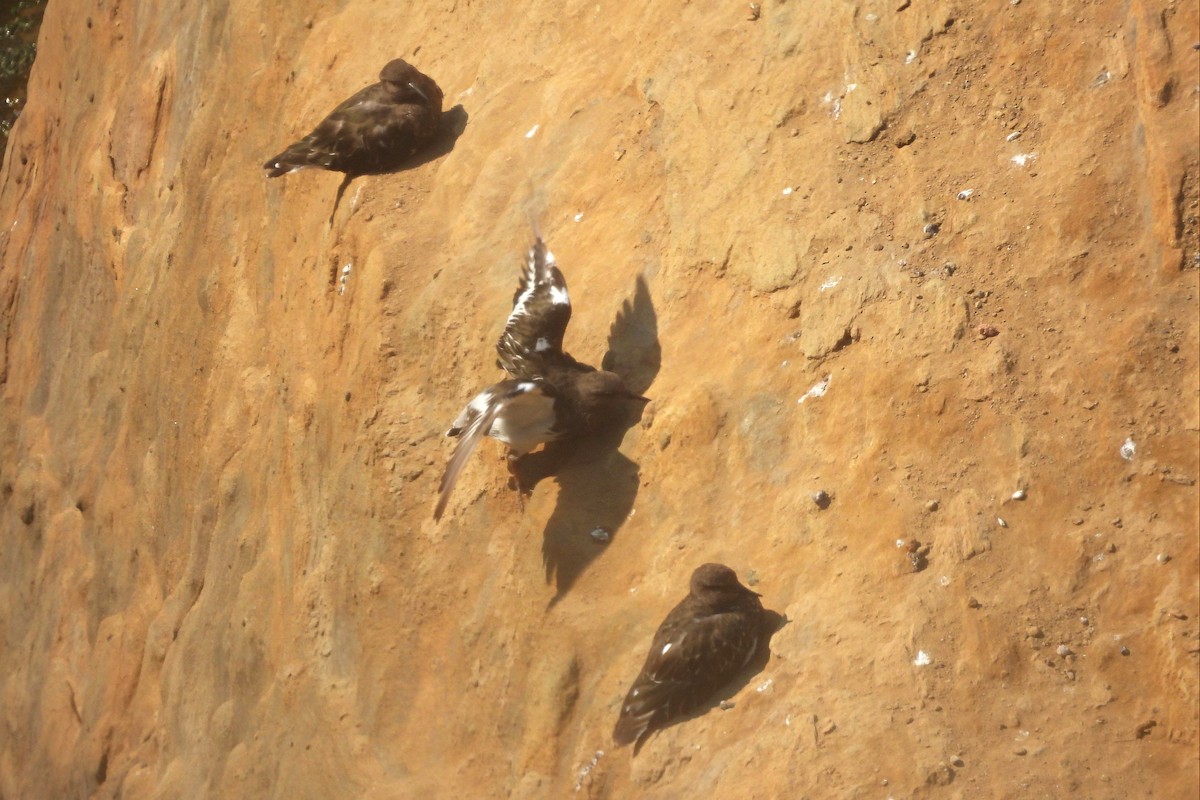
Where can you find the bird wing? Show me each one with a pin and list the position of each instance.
(690, 658)
(476, 421)
(367, 132)
(533, 335)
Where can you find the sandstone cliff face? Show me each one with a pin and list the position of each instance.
(219, 576)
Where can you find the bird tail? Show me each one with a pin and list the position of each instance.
(285, 162)
(645, 707)
(630, 729)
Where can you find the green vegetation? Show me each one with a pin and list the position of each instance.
(19, 22)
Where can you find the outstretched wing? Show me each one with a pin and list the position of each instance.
(524, 401)
(541, 310)
(690, 658)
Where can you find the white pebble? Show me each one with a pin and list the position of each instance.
(1129, 449)
(922, 659)
(1001, 522)
(818, 390)
(1019, 494)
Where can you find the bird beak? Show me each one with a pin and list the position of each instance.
(417, 89)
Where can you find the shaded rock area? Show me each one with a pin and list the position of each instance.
(915, 256)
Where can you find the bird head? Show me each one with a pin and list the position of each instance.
(717, 580)
(402, 78)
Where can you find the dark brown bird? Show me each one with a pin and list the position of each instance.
(551, 396)
(374, 131)
(702, 644)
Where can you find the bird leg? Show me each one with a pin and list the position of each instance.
(341, 190)
(514, 477)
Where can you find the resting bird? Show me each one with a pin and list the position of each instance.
(550, 396)
(374, 131)
(702, 644)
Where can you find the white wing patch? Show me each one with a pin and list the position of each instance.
(558, 296)
(517, 413)
(525, 420)
(666, 647)
(542, 344)
(750, 651)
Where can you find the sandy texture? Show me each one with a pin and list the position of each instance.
(219, 575)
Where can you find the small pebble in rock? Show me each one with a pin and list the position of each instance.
(727, 704)
(931, 229)
(1124, 650)
(1063, 651)
(821, 498)
(932, 505)
(1020, 751)
(1001, 522)
(1163, 558)
(973, 603)
(1034, 632)
(988, 331)
(957, 762)
(600, 535)
(1019, 494)
(965, 194)
(1077, 520)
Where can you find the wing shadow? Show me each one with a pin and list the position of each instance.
(597, 483)
(453, 124)
(773, 622)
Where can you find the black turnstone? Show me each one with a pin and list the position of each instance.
(374, 131)
(703, 643)
(551, 396)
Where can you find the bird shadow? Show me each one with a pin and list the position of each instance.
(597, 483)
(453, 124)
(772, 623)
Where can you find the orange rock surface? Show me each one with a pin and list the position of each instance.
(219, 575)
